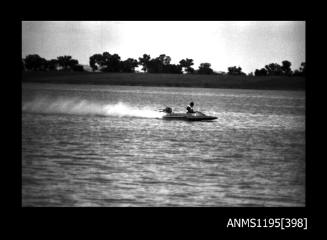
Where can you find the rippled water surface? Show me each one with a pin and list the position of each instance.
(86, 145)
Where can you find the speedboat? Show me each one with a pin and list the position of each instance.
(196, 116)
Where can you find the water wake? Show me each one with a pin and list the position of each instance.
(85, 107)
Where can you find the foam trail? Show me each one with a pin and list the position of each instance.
(85, 107)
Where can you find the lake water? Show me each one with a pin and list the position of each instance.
(89, 145)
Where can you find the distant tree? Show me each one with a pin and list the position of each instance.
(144, 61)
(63, 61)
(167, 60)
(159, 64)
(286, 68)
(274, 69)
(23, 65)
(164, 60)
(52, 64)
(112, 62)
(173, 68)
(106, 62)
(34, 62)
(301, 71)
(204, 68)
(96, 61)
(186, 64)
(297, 73)
(235, 71)
(190, 70)
(261, 72)
(67, 62)
(73, 63)
(78, 68)
(250, 74)
(129, 65)
(155, 66)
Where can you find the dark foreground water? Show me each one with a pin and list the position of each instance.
(85, 145)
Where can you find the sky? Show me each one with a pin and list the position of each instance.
(248, 44)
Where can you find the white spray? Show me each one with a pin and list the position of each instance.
(84, 107)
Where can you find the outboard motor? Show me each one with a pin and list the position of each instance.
(168, 110)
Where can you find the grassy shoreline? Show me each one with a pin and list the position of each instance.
(168, 80)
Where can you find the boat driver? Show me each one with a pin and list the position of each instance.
(189, 108)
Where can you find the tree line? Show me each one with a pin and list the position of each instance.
(34, 62)
(107, 62)
(274, 69)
